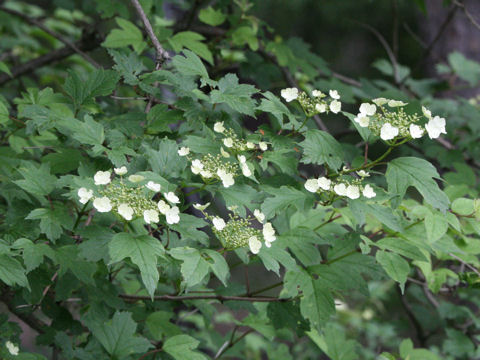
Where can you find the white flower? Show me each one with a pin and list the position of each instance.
(102, 204)
(151, 216)
(324, 183)
(388, 132)
(125, 211)
(120, 171)
(353, 192)
(362, 119)
(242, 159)
(435, 127)
(335, 106)
(219, 223)
(396, 103)
(368, 109)
(228, 142)
(416, 131)
(311, 185)
(85, 195)
(254, 244)
(102, 177)
(368, 192)
(321, 108)
(317, 93)
(173, 215)
(426, 112)
(171, 197)
(259, 215)
(380, 101)
(200, 206)
(224, 153)
(363, 173)
(136, 178)
(334, 94)
(153, 186)
(263, 145)
(340, 189)
(289, 94)
(218, 127)
(227, 178)
(206, 174)
(12, 348)
(268, 234)
(250, 145)
(197, 166)
(163, 207)
(184, 151)
(246, 170)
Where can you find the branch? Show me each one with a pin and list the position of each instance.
(162, 55)
(231, 343)
(201, 297)
(88, 43)
(56, 35)
(28, 319)
(467, 13)
(474, 269)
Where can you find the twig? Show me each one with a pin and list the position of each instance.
(150, 353)
(467, 13)
(161, 54)
(231, 343)
(56, 35)
(465, 263)
(202, 297)
(85, 44)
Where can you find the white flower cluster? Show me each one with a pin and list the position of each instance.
(130, 199)
(351, 189)
(215, 167)
(317, 104)
(394, 122)
(12, 348)
(237, 232)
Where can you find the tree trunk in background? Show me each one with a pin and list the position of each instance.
(458, 35)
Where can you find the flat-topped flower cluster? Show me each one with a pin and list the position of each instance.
(130, 198)
(223, 166)
(351, 189)
(387, 118)
(317, 103)
(238, 232)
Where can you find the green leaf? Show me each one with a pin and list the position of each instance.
(394, 265)
(188, 229)
(165, 161)
(33, 254)
(411, 171)
(337, 345)
(98, 83)
(192, 41)
(401, 247)
(245, 35)
(317, 303)
(129, 66)
(129, 34)
(159, 325)
(12, 272)
(212, 17)
(436, 226)
(4, 68)
(466, 69)
(284, 197)
(52, 220)
(89, 131)
(319, 147)
(144, 251)
(275, 106)
(218, 265)
(236, 96)
(69, 260)
(118, 336)
(38, 181)
(240, 195)
(182, 347)
(190, 64)
(3, 113)
(194, 267)
(463, 206)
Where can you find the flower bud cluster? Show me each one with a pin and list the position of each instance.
(130, 199)
(232, 142)
(393, 123)
(215, 167)
(351, 189)
(317, 103)
(238, 232)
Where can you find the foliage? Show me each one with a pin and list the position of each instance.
(207, 206)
